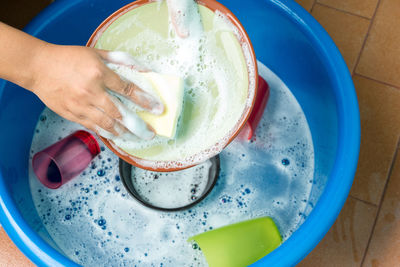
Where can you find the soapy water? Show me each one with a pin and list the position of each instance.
(174, 189)
(94, 221)
(218, 76)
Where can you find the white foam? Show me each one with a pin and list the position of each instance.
(174, 189)
(253, 183)
(132, 122)
(186, 17)
(209, 78)
(222, 23)
(121, 57)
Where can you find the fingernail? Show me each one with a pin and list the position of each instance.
(153, 104)
(158, 108)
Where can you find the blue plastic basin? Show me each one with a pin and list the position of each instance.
(285, 37)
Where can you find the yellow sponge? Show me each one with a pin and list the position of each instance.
(169, 89)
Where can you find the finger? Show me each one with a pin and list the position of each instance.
(100, 119)
(121, 58)
(132, 122)
(101, 132)
(98, 130)
(85, 123)
(105, 104)
(138, 127)
(68, 115)
(82, 120)
(133, 92)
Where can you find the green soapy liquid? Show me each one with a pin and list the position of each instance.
(144, 33)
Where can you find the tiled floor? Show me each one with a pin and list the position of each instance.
(10, 256)
(367, 231)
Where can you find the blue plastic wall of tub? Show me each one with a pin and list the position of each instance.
(285, 37)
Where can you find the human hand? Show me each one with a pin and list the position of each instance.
(73, 81)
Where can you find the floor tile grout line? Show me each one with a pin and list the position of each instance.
(313, 5)
(371, 23)
(389, 175)
(363, 201)
(344, 11)
(378, 81)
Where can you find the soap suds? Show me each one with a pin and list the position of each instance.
(212, 107)
(123, 58)
(173, 189)
(88, 217)
(133, 123)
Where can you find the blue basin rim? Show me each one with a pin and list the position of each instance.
(325, 211)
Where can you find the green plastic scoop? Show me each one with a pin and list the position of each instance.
(239, 244)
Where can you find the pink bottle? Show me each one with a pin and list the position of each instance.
(64, 160)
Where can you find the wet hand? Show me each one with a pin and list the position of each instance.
(73, 81)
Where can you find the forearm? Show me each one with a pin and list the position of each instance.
(18, 51)
(72, 80)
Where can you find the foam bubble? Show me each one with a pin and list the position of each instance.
(92, 219)
(216, 85)
(174, 189)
